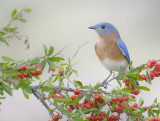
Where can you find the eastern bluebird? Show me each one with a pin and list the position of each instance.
(110, 48)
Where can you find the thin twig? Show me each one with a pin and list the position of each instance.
(42, 101)
(68, 89)
(69, 65)
(78, 50)
(34, 91)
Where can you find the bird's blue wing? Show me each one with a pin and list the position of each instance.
(124, 50)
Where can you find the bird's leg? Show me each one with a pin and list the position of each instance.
(103, 84)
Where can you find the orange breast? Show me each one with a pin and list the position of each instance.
(107, 47)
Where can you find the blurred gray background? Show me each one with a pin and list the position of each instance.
(60, 23)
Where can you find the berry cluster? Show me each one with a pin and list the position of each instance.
(154, 68)
(99, 117)
(35, 71)
(133, 90)
(121, 104)
(55, 94)
(154, 119)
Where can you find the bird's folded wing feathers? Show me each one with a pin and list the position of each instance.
(124, 50)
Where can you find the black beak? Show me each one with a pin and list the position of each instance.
(92, 27)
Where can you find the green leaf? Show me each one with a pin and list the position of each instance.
(97, 86)
(14, 14)
(22, 20)
(34, 61)
(47, 89)
(78, 83)
(149, 112)
(25, 87)
(143, 88)
(51, 49)
(133, 74)
(126, 89)
(86, 87)
(25, 94)
(45, 49)
(5, 58)
(141, 102)
(55, 59)
(155, 100)
(148, 78)
(26, 9)
(11, 73)
(62, 100)
(75, 71)
(72, 102)
(7, 88)
(3, 40)
(43, 64)
(2, 97)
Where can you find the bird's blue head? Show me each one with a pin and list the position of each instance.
(104, 28)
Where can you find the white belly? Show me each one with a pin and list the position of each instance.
(114, 65)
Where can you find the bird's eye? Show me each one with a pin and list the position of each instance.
(103, 27)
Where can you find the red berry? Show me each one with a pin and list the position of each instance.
(157, 74)
(35, 73)
(73, 97)
(157, 65)
(20, 75)
(101, 100)
(61, 72)
(151, 77)
(23, 68)
(136, 92)
(92, 102)
(52, 69)
(92, 118)
(38, 66)
(60, 96)
(119, 108)
(126, 82)
(119, 103)
(82, 105)
(76, 91)
(133, 92)
(152, 73)
(159, 119)
(120, 99)
(112, 98)
(69, 109)
(85, 101)
(116, 118)
(72, 107)
(54, 96)
(26, 74)
(103, 114)
(149, 65)
(115, 110)
(143, 77)
(88, 105)
(126, 98)
(57, 117)
(98, 118)
(152, 62)
(97, 97)
(43, 98)
(135, 105)
(133, 97)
